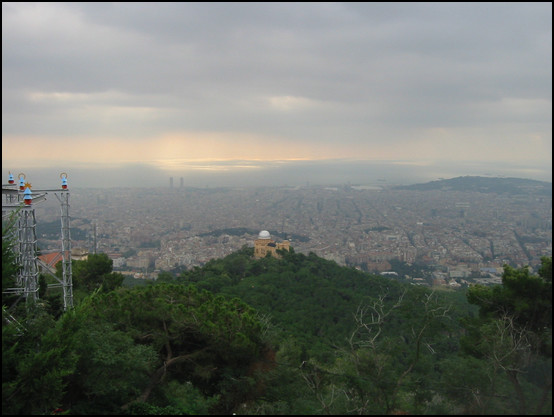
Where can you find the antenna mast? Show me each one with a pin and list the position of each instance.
(18, 207)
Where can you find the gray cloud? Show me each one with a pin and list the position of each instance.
(351, 72)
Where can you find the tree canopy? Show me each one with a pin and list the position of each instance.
(295, 335)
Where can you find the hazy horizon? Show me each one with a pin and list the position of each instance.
(335, 172)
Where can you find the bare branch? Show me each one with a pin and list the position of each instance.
(373, 325)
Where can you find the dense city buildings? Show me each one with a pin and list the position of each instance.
(456, 235)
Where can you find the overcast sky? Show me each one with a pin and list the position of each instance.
(297, 91)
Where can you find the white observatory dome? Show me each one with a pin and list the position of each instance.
(264, 234)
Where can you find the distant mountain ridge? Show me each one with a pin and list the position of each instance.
(494, 185)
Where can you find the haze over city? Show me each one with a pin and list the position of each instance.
(131, 94)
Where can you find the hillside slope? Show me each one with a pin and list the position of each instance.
(514, 186)
(309, 297)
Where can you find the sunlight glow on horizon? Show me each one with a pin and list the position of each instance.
(165, 152)
(234, 151)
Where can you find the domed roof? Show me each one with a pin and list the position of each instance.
(264, 234)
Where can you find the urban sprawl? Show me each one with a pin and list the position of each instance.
(458, 237)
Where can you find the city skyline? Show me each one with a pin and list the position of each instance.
(132, 94)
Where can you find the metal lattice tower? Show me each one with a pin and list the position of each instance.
(28, 276)
(18, 208)
(67, 282)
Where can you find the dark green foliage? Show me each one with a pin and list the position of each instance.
(310, 297)
(195, 336)
(405, 368)
(298, 335)
(513, 336)
(525, 298)
(315, 301)
(105, 355)
(414, 270)
(36, 359)
(165, 277)
(10, 268)
(95, 266)
(154, 349)
(471, 384)
(146, 409)
(545, 271)
(96, 272)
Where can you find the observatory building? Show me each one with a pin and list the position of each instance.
(264, 245)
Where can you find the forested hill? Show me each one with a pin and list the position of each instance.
(513, 186)
(299, 335)
(313, 299)
(391, 347)
(239, 335)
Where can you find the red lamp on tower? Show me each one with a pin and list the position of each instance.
(27, 196)
(63, 176)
